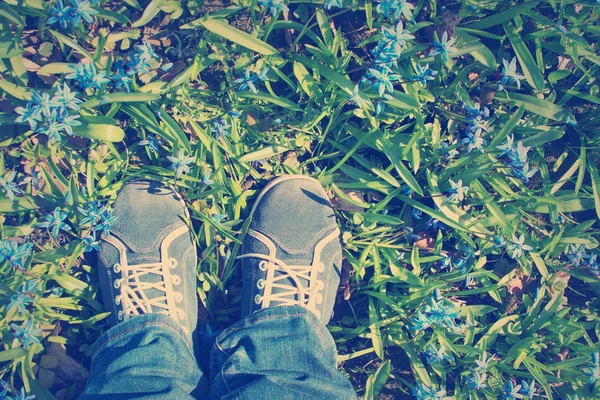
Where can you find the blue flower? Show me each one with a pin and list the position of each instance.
(52, 127)
(23, 298)
(219, 127)
(45, 103)
(145, 51)
(180, 163)
(15, 253)
(483, 364)
(433, 223)
(356, 98)
(507, 146)
(577, 255)
(476, 111)
(54, 222)
(82, 10)
(384, 80)
(329, 4)
(517, 246)
(420, 322)
(59, 13)
(275, 6)
(474, 140)
(120, 77)
(433, 355)
(444, 48)
(9, 186)
(27, 333)
(424, 392)
(86, 76)
(153, 142)
(424, 74)
(593, 371)
(510, 391)
(476, 381)
(66, 99)
(91, 243)
(92, 213)
(417, 214)
(457, 190)
(395, 8)
(206, 179)
(510, 73)
(106, 220)
(247, 82)
(528, 389)
(499, 241)
(31, 114)
(392, 43)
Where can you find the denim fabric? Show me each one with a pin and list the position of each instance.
(275, 353)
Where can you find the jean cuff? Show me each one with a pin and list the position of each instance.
(130, 326)
(279, 312)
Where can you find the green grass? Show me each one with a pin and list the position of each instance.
(467, 269)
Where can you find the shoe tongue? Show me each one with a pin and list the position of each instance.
(142, 274)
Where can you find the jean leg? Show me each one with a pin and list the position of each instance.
(277, 353)
(145, 357)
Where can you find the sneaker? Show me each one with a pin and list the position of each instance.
(292, 253)
(148, 263)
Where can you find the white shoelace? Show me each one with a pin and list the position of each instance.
(132, 288)
(304, 295)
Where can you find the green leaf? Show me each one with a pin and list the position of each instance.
(72, 44)
(121, 97)
(55, 68)
(532, 74)
(595, 184)
(263, 153)
(149, 13)
(9, 49)
(377, 380)
(503, 16)
(24, 203)
(307, 82)
(107, 133)
(11, 354)
(541, 107)
(237, 36)
(285, 103)
(111, 15)
(19, 92)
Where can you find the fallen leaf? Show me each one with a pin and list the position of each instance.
(345, 205)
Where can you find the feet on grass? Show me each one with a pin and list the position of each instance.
(292, 252)
(148, 263)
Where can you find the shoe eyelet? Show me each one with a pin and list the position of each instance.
(176, 280)
(319, 298)
(117, 268)
(117, 283)
(120, 315)
(258, 299)
(320, 267)
(260, 284)
(172, 263)
(262, 265)
(178, 297)
(117, 300)
(320, 285)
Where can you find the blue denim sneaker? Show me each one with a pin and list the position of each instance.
(148, 263)
(292, 253)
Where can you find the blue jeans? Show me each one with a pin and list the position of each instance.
(276, 353)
